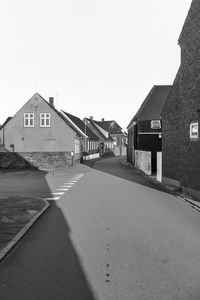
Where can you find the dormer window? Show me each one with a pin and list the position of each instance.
(28, 120)
(44, 120)
(155, 124)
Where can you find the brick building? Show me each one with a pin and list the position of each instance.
(181, 114)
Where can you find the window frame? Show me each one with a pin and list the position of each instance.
(45, 118)
(29, 118)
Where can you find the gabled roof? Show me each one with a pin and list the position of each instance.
(81, 125)
(192, 22)
(6, 121)
(153, 104)
(57, 112)
(60, 115)
(99, 132)
(111, 126)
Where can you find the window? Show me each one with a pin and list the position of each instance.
(77, 146)
(115, 141)
(28, 120)
(44, 120)
(194, 130)
(155, 124)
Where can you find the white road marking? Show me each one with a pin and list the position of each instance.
(58, 193)
(53, 198)
(64, 187)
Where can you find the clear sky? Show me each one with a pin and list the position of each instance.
(97, 58)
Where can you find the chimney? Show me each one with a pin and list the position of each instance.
(51, 101)
(102, 120)
(91, 118)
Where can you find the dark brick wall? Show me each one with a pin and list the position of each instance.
(180, 154)
(23, 160)
(190, 104)
(170, 132)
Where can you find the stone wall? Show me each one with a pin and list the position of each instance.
(47, 160)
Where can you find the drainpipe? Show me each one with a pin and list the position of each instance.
(3, 137)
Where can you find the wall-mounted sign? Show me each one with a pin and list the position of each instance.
(194, 130)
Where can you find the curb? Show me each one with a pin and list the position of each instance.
(22, 232)
(191, 203)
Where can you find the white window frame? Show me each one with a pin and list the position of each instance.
(194, 135)
(28, 117)
(46, 117)
(155, 124)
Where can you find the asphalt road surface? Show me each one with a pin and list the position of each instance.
(111, 235)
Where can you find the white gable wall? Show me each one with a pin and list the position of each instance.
(58, 137)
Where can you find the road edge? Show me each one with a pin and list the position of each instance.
(23, 231)
(188, 200)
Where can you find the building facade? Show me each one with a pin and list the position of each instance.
(118, 135)
(145, 129)
(38, 132)
(181, 114)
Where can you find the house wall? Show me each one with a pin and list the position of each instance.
(58, 137)
(171, 139)
(145, 126)
(190, 106)
(149, 142)
(180, 154)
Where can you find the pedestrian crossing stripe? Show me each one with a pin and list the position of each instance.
(64, 188)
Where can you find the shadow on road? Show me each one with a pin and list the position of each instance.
(44, 264)
(115, 166)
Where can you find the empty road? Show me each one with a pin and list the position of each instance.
(111, 235)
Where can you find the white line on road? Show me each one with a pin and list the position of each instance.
(58, 193)
(65, 186)
(53, 198)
